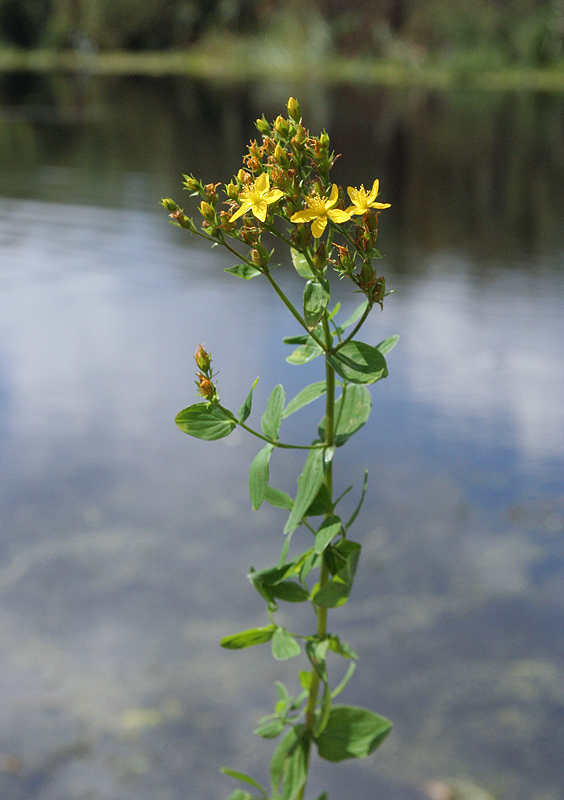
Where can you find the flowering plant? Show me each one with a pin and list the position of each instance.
(284, 192)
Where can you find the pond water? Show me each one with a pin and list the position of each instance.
(125, 545)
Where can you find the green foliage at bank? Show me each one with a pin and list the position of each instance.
(468, 35)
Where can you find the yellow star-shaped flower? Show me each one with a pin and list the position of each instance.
(257, 198)
(318, 210)
(362, 200)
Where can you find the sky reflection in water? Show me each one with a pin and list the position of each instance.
(120, 569)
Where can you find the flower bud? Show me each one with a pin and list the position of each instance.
(225, 222)
(243, 177)
(262, 126)
(211, 192)
(202, 358)
(192, 184)
(280, 155)
(207, 211)
(301, 135)
(259, 256)
(301, 237)
(324, 140)
(169, 204)
(320, 257)
(294, 109)
(232, 191)
(181, 219)
(206, 387)
(281, 126)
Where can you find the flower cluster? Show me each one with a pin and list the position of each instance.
(282, 188)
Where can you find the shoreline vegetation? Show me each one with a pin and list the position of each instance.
(247, 63)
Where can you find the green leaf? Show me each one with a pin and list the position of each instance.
(360, 502)
(321, 504)
(308, 486)
(348, 675)
(304, 353)
(316, 298)
(305, 679)
(352, 410)
(243, 271)
(342, 560)
(245, 409)
(258, 476)
(387, 345)
(358, 362)
(248, 638)
(284, 645)
(352, 733)
(278, 498)
(289, 764)
(330, 527)
(290, 591)
(342, 648)
(301, 264)
(270, 728)
(300, 338)
(240, 776)
(272, 418)
(207, 421)
(307, 395)
(239, 794)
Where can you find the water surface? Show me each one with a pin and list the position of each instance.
(125, 544)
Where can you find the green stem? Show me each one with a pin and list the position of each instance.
(276, 443)
(324, 572)
(356, 328)
(295, 313)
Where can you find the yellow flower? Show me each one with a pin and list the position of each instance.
(318, 210)
(257, 198)
(362, 201)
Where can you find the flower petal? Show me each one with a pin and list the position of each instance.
(242, 210)
(260, 209)
(336, 215)
(303, 216)
(262, 183)
(334, 196)
(318, 226)
(374, 191)
(273, 195)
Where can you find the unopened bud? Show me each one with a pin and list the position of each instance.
(206, 387)
(281, 126)
(324, 140)
(301, 135)
(202, 358)
(294, 109)
(243, 176)
(259, 256)
(320, 257)
(280, 155)
(262, 126)
(370, 219)
(301, 237)
(207, 211)
(169, 204)
(211, 192)
(192, 184)
(232, 191)
(225, 221)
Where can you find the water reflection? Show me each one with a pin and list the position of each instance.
(482, 171)
(119, 572)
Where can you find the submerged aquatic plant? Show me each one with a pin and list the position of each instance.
(283, 193)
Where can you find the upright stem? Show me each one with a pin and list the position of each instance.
(324, 572)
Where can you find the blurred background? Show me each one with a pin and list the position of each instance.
(124, 545)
